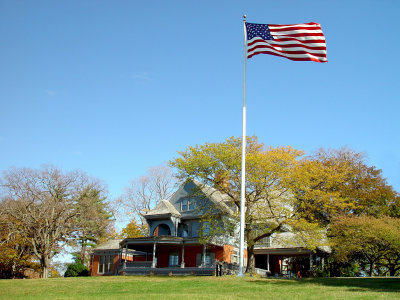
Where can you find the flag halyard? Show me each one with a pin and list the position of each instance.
(298, 42)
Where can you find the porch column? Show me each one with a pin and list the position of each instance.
(153, 263)
(268, 262)
(322, 262)
(126, 255)
(203, 262)
(311, 262)
(183, 256)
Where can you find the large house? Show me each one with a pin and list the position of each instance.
(180, 243)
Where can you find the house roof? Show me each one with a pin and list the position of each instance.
(164, 207)
(289, 240)
(215, 196)
(110, 245)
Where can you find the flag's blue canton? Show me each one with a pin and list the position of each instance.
(258, 30)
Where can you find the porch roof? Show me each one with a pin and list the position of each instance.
(159, 240)
(282, 251)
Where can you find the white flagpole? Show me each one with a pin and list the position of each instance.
(243, 184)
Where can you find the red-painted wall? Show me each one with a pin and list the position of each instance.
(222, 253)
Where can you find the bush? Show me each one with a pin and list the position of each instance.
(76, 269)
(318, 271)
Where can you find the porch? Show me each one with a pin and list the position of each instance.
(287, 262)
(166, 255)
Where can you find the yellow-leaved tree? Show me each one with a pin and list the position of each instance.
(286, 190)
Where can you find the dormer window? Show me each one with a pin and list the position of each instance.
(187, 204)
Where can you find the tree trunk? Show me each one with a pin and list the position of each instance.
(83, 252)
(45, 263)
(250, 260)
(371, 269)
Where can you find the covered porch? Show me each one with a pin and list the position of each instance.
(287, 262)
(165, 255)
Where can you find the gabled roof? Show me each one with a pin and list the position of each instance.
(110, 245)
(217, 197)
(164, 207)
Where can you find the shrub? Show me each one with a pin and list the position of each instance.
(76, 269)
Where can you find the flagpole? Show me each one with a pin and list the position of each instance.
(243, 183)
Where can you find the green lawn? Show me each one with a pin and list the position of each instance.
(227, 287)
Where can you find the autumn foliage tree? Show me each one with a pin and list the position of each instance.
(133, 230)
(284, 188)
(356, 187)
(16, 254)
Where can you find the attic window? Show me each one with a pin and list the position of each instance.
(187, 205)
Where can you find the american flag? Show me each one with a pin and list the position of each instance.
(300, 42)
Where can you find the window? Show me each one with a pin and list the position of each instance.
(187, 204)
(105, 264)
(191, 205)
(210, 258)
(173, 259)
(235, 257)
(101, 264)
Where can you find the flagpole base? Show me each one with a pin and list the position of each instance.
(240, 273)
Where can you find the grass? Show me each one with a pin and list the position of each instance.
(227, 287)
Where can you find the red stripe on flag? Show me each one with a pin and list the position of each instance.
(291, 58)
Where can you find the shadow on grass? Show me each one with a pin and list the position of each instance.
(391, 284)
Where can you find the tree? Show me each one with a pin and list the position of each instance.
(284, 189)
(40, 205)
(145, 192)
(269, 202)
(16, 254)
(344, 174)
(93, 218)
(374, 242)
(133, 230)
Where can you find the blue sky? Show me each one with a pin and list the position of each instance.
(113, 87)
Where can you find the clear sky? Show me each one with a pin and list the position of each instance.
(113, 87)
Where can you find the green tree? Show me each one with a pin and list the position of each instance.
(92, 220)
(372, 242)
